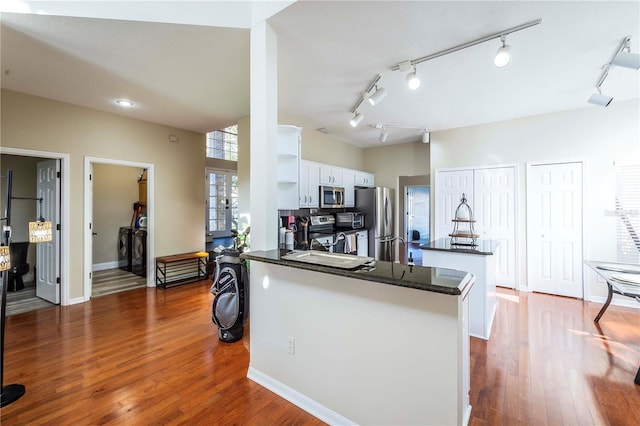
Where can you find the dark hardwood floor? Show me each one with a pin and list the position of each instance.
(151, 356)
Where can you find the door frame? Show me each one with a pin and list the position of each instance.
(405, 210)
(585, 202)
(65, 186)
(88, 219)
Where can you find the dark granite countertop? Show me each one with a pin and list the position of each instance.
(484, 247)
(438, 280)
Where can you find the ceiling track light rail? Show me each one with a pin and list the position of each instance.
(453, 49)
(623, 58)
(501, 59)
(373, 98)
(384, 133)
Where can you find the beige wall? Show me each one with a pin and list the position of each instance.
(322, 148)
(30, 122)
(115, 189)
(598, 136)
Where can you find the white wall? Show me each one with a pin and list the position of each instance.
(598, 136)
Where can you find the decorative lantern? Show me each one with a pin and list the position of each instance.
(463, 234)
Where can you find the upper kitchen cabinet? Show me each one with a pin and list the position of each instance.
(309, 184)
(288, 166)
(331, 176)
(348, 182)
(365, 179)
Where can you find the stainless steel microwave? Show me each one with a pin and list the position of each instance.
(331, 197)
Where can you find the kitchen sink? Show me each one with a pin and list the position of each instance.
(323, 258)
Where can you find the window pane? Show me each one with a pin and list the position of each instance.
(223, 144)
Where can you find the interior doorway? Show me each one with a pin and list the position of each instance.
(414, 195)
(142, 238)
(57, 256)
(554, 228)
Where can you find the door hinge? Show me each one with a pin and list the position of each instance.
(58, 175)
(58, 227)
(90, 225)
(90, 275)
(58, 280)
(90, 177)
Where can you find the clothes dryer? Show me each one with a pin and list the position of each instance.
(124, 247)
(139, 252)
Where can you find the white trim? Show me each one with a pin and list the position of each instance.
(616, 301)
(88, 216)
(307, 404)
(107, 265)
(76, 300)
(65, 187)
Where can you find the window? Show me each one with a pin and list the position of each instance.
(222, 202)
(223, 144)
(628, 212)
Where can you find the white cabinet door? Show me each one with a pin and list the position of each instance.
(554, 229)
(330, 175)
(309, 184)
(450, 185)
(348, 182)
(362, 243)
(494, 210)
(365, 179)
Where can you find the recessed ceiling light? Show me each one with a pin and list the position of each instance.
(124, 103)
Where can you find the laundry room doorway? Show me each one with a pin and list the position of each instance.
(119, 223)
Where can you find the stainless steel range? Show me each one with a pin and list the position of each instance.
(322, 223)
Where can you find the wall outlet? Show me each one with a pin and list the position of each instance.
(291, 345)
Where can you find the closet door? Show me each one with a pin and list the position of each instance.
(450, 185)
(494, 209)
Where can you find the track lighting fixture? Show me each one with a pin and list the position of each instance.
(503, 55)
(383, 135)
(501, 58)
(384, 132)
(377, 96)
(412, 80)
(356, 119)
(625, 58)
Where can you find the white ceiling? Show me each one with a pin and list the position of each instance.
(197, 76)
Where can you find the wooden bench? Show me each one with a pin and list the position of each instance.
(181, 269)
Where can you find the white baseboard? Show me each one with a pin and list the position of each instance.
(616, 301)
(293, 396)
(77, 300)
(107, 265)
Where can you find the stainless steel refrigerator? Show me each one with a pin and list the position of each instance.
(377, 206)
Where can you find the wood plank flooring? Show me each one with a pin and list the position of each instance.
(150, 356)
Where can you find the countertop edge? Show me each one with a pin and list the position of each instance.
(452, 291)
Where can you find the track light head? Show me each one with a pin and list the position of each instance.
(377, 96)
(383, 135)
(426, 136)
(627, 60)
(412, 79)
(503, 55)
(600, 99)
(356, 119)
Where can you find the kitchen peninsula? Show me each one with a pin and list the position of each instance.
(387, 343)
(478, 260)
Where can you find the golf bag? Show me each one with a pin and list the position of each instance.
(230, 308)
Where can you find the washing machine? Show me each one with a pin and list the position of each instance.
(139, 252)
(124, 247)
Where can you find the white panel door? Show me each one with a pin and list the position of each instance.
(450, 185)
(494, 209)
(48, 253)
(554, 229)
